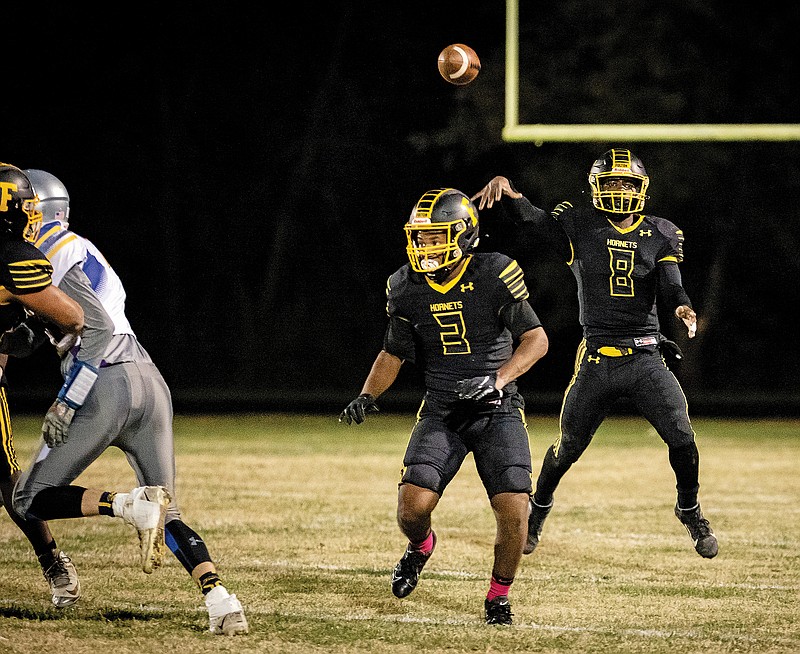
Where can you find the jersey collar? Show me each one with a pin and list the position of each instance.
(444, 288)
(626, 230)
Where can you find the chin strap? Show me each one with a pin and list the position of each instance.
(438, 275)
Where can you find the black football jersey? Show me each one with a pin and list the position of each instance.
(23, 269)
(615, 269)
(457, 328)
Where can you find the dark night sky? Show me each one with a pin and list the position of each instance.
(249, 177)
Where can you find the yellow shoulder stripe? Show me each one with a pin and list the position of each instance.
(514, 278)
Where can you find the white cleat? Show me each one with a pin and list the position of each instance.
(62, 577)
(145, 508)
(225, 613)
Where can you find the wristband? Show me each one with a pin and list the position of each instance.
(79, 382)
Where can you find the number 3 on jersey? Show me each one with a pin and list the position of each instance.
(453, 332)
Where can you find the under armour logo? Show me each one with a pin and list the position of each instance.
(467, 287)
(592, 359)
(645, 232)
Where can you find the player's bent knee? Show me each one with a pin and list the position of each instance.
(510, 480)
(424, 476)
(22, 502)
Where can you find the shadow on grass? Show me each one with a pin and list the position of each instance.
(103, 614)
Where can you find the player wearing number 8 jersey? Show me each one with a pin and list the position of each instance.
(624, 262)
(458, 314)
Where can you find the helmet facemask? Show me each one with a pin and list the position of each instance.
(434, 246)
(31, 209)
(619, 164)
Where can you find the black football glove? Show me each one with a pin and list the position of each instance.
(17, 342)
(479, 389)
(358, 409)
(670, 348)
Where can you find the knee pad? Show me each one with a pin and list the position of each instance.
(21, 503)
(511, 480)
(424, 476)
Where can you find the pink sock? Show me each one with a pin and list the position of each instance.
(426, 546)
(498, 587)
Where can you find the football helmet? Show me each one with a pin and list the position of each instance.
(52, 194)
(619, 164)
(452, 214)
(19, 213)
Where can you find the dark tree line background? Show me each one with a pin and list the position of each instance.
(249, 176)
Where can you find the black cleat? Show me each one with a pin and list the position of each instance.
(700, 531)
(536, 519)
(406, 573)
(498, 610)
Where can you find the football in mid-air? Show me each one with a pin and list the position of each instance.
(459, 64)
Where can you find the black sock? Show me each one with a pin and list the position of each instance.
(48, 556)
(687, 499)
(208, 581)
(106, 503)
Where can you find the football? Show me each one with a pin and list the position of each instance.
(459, 64)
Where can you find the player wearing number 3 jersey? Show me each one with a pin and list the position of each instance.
(458, 315)
(623, 261)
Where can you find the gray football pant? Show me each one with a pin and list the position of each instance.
(129, 407)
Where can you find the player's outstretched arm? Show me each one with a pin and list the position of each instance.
(53, 305)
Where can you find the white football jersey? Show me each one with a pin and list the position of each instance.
(65, 249)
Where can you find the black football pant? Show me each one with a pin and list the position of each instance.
(599, 381)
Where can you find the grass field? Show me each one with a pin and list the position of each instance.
(298, 511)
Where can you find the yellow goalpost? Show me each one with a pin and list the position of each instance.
(540, 133)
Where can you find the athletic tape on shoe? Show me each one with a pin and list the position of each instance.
(80, 380)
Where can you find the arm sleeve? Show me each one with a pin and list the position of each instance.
(670, 286)
(98, 327)
(399, 339)
(538, 227)
(519, 317)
